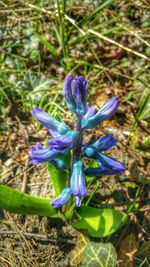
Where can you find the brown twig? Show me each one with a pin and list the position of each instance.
(38, 237)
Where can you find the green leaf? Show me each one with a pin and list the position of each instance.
(146, 141)
(17, 202)
(144, 250)
(100, 7)
(57, 177)
(100, 255)
(144, 111)
(50, 47)
(99, 222)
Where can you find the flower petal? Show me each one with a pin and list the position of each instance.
(104, 113)
(90, 113)
(100, 171)
(62, 198)
(65, 142)
(90, 152)
(40, 154)
(111, 163)
(77, 180)
(49, 122)
(75, 91)
(77, 201)
(105, 142)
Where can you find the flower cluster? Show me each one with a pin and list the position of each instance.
(64, 139)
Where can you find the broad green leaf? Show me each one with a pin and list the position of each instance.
(17, 202)
(100, 255)
(57, 177)
(99, 222)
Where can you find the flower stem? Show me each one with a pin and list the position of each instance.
(78, 146)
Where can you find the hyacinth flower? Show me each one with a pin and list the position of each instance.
(63, 143)
(107, 164)
(55, 127)
(58, 147)
(75, 92)
(78, 181)
(40, 154)
(107, 111)
(62, 198)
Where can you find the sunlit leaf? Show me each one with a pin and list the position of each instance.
(58, 177)
(17, 202)
(99, 222)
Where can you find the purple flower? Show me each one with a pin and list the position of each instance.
(102, 144)
(55, 127)
(78, 181)
(112, 164)
(90, 113)
(41, 154)
(77, 201)
(105, 142)
(63, 143)
(104, 113)
(62, 198)
(75, 92)
(100, 171)
(58, 147)
(108, 165)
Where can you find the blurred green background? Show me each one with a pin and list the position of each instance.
(41, 41)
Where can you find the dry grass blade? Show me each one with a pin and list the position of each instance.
(118, 44)
(73, 22)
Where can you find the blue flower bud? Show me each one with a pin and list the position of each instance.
(108, 165)
(63, 143)
(55, 127)
(62, 198)
(100, 171)
(77, 180)
(105, 142)
(90, 113)
(59, 164)
(104, 113)
(41, 154)
(75, 92)
(90, 152)
(114, 165)
(59, 146)
(77, 201)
